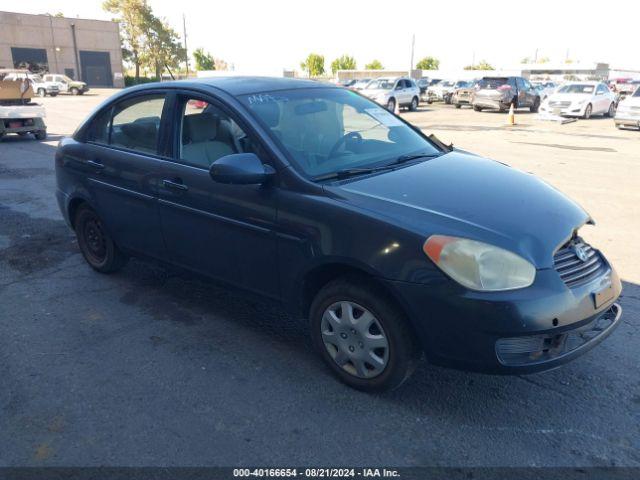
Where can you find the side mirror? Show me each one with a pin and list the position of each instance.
(240, 169)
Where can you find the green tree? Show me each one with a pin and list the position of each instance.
(162, 48)
(428, 63)
(133, 16)
(204, 60)
(313, 65)
(374, 65)
(345, 62)
(483, 65)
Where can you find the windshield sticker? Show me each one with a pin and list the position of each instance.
(261, 98)
(384, 117)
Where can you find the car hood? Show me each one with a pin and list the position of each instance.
(568, 97)
(374, 92)
(469, 196)
(630, 102)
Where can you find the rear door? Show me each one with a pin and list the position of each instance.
(224, 231)
(123, 165)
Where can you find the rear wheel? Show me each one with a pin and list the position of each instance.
(477, 109)
(362, 336)
(414, 104)
(587, 112)
(458, 105)
(612, 110)
(536, 105)
(97, 247)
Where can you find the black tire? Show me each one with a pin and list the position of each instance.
(41, 135)
(414, 104)
(42, 92)
(74, 91)
(587, 112)
(403, 351)
(458, 105)
(477, 109)
(97, 247)
(536, 105)
(391, 104)
(54, 94)
(612, 111)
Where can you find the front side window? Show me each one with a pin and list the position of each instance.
(325, 130)
(207, 133)
(136, 123)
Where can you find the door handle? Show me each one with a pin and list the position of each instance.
(174, 185)
(95, 164)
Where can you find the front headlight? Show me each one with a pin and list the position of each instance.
(477, 265)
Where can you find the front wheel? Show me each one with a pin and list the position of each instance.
(96, 245)
(41, 135)
(74, 91)
(458, 105)
(362, 336)
(587, 112)
(391, 104)
(477, 109)
(42, 92)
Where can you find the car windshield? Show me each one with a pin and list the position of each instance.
(327, 130)
(576, 88)
(492, 82)
(382, 84)
(462, 84)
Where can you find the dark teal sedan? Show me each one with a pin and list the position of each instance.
(391, 243)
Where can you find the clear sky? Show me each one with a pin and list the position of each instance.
(270, 35)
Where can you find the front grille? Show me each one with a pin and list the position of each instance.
(559, 104)
(536, 349)
(572, 269)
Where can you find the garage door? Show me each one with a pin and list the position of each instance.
(96, 68)
(35, 59)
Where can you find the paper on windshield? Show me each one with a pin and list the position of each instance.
(384, 117)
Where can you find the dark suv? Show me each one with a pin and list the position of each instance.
(500, 92)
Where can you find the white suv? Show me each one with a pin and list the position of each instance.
(390, 92)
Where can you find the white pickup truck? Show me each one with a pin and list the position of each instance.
(17, 113)
(41, 87)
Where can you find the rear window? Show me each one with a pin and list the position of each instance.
(492, 82)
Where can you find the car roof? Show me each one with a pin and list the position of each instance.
(243, 85)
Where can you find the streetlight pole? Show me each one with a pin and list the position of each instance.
(186, 51)
(413, 43)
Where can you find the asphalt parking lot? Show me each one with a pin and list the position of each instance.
(153, 366)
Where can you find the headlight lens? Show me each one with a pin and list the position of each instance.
(477, 265)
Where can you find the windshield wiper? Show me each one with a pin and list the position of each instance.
(352, 172)
(407, 158)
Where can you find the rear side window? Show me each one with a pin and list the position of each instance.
(136, 123)
(491, 83)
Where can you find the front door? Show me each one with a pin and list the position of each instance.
(225, 231)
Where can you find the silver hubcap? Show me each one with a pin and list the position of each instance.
(355, 339)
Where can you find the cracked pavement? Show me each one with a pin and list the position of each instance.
(155, 366)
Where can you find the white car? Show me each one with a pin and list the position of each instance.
(40, 87)
(438, 91)
(628, 111)
(360, 84)
(581, 99)
(390, 92)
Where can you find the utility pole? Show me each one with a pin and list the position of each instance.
(413, 43)
(473, 59)
(186, 51)
(535, 57)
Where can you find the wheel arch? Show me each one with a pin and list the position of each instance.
(319, 276)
